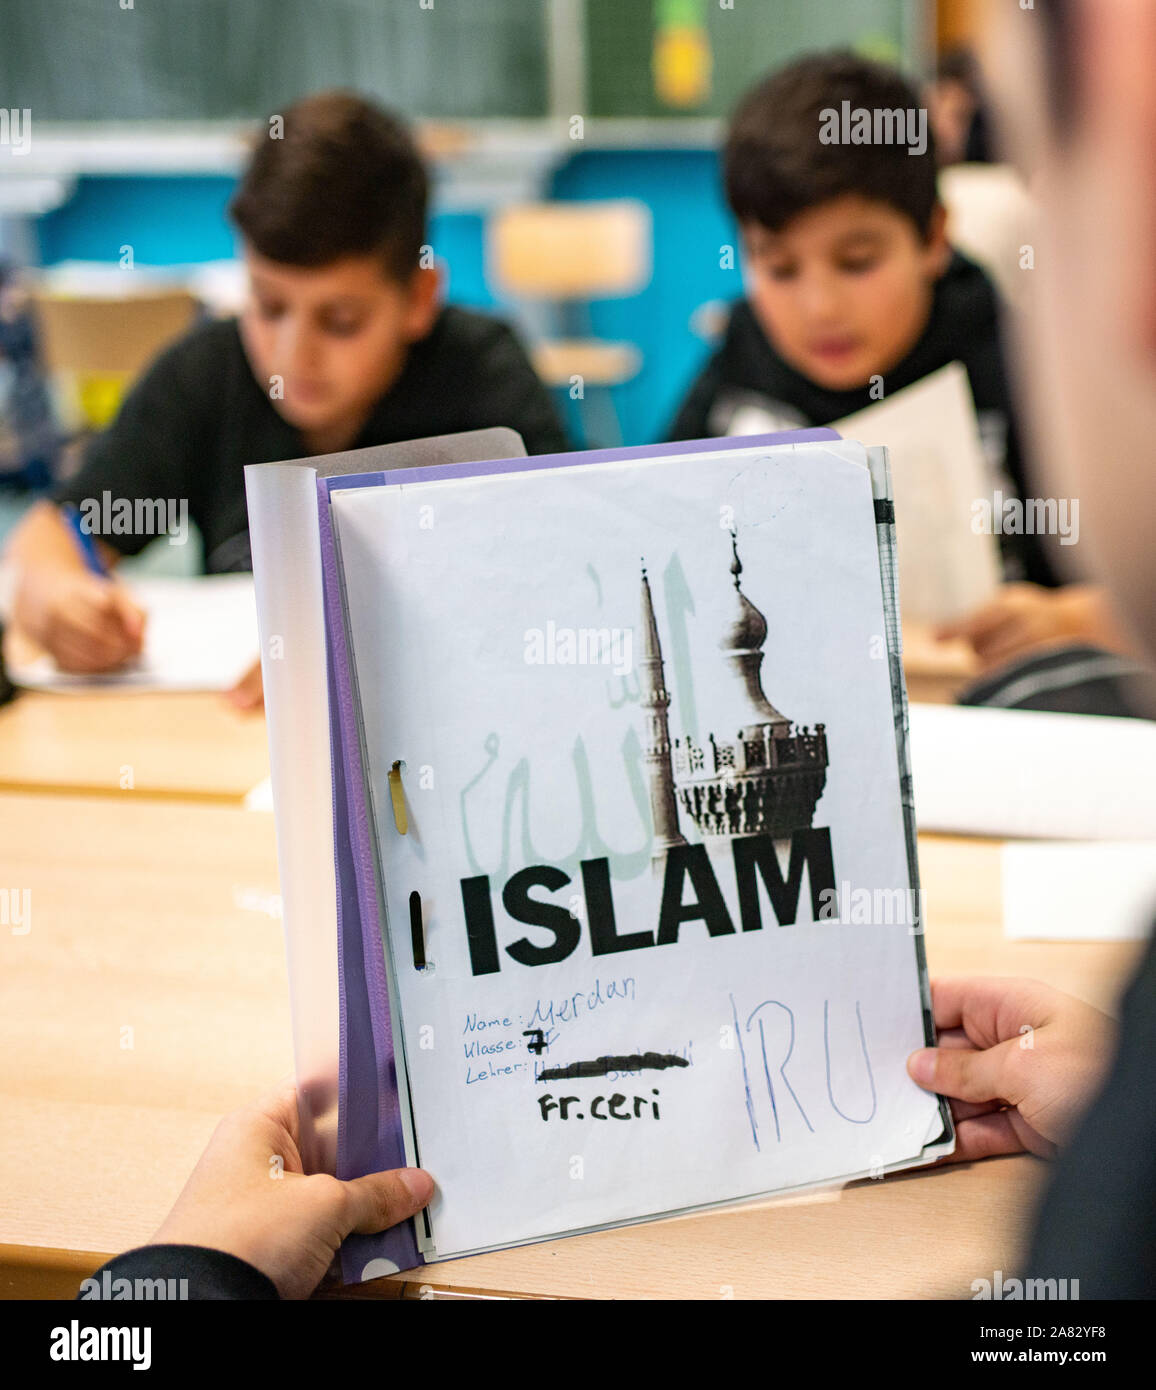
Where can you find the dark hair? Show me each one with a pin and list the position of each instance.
(959, 64)
(776, 167)
(337, 177)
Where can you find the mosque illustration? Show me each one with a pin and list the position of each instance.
(763, 774)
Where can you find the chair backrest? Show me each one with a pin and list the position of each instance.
(110, 335)
(579, 250)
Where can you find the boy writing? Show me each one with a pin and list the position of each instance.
(342, 344)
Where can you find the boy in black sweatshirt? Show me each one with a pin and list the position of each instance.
(343, 343)
(853, 292)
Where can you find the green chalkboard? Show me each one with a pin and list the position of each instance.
(82, 60)
(745, 41)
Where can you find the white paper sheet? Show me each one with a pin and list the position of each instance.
(1079, 892)
(1034, 775)
(938, 470)
(201, 635)
(795, 1036)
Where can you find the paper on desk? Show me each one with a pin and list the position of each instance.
(791, 1039)
(1033, 775)
(201, 635)
(1079, 892)
(260, 797)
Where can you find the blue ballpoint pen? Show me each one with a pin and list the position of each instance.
(84, 541)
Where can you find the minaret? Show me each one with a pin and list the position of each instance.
(656, 751)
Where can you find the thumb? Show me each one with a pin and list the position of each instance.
(962, 1073)
(380, 1200)
(131, 615)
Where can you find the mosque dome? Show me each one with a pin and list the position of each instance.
(742, 646)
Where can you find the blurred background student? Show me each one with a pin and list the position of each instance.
(957, 107)
(343, 343)
(853, 288)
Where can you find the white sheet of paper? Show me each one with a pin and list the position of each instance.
(938, 470)
(1035, 775)
(201, 635)
(1079, 892)
(796, 1036)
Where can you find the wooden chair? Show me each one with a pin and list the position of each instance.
(560, 256)
(95, 347)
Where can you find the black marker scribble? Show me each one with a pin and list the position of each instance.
(603, 1066)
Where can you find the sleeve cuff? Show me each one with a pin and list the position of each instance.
(178, 1272)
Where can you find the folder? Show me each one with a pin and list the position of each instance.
(594, 826)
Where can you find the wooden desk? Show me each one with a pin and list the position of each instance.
(197, 747)
(188, 746)
(150, 917)
(936, 671)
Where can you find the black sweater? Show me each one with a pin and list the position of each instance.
(211, 1274)
(198, 416)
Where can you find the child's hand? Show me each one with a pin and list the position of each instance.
(86, 622)
(1018, 1060)
(248, 1196)
(1025, 617)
